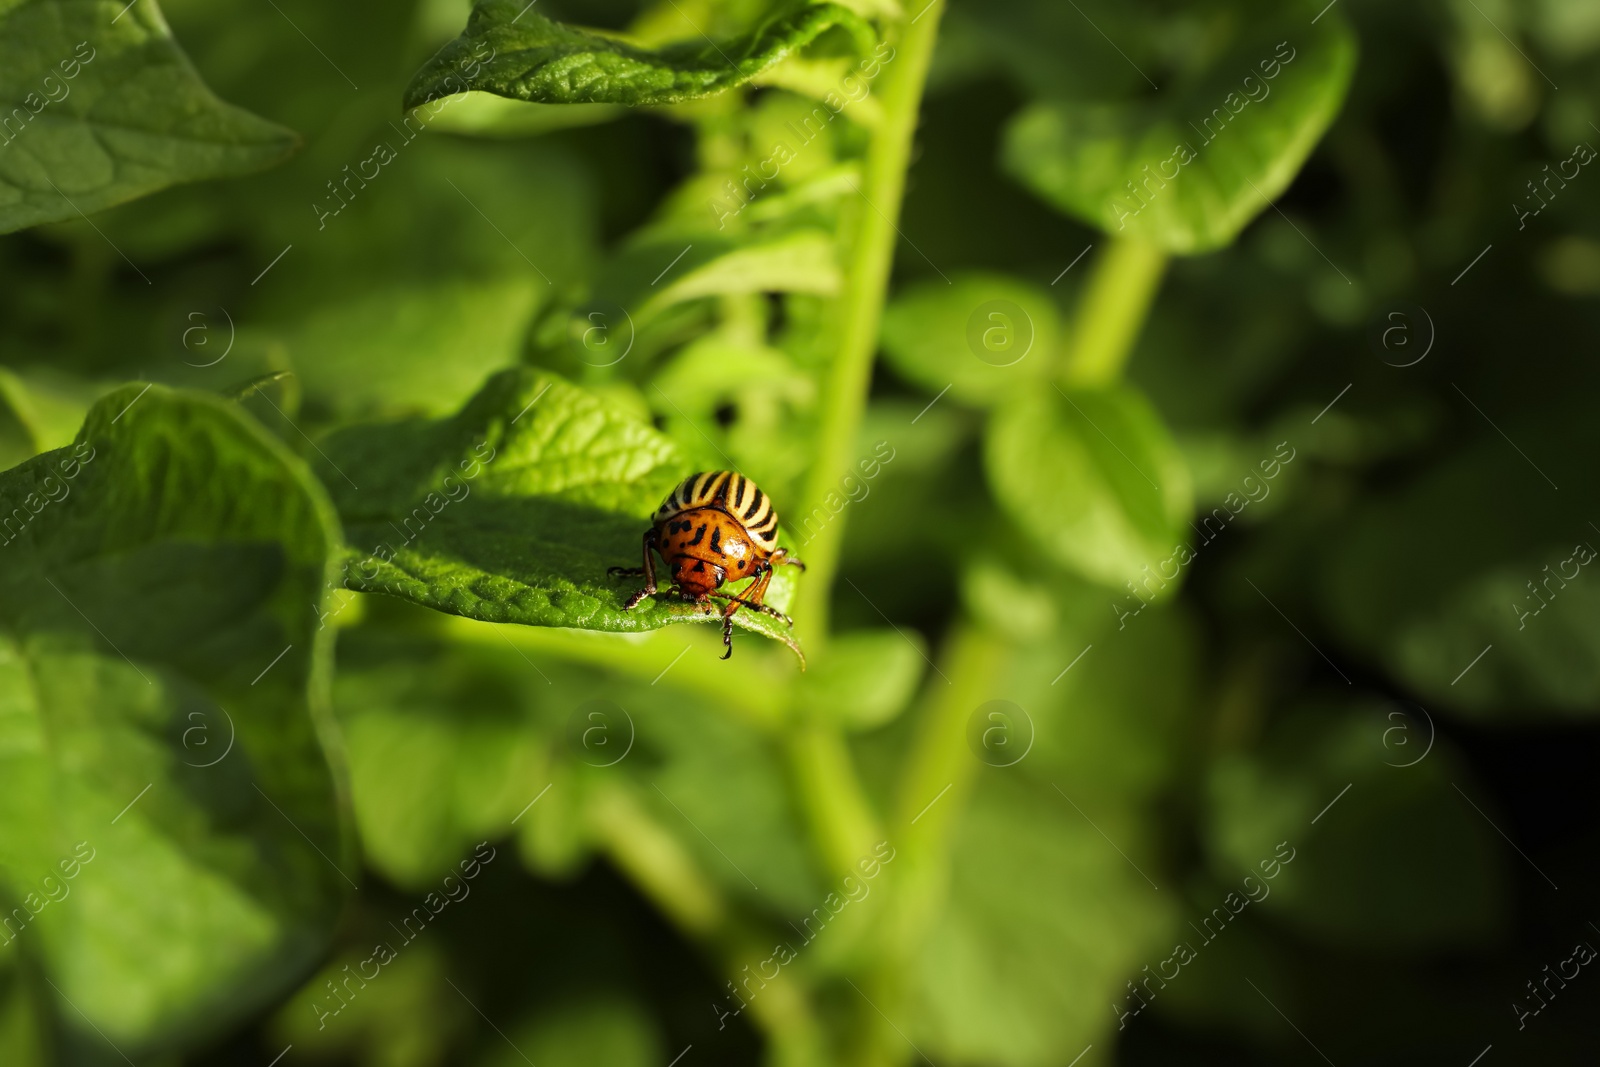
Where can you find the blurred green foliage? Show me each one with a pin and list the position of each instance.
(1203, 510)
(139, 119)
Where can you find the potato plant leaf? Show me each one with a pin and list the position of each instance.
(1093, 478)
(650, 276)
(173, 829)
(1007, 977)
(441, 747)
(489, 116)
(606, 1028)
(437, 341)
(868, 679)
(511, 51)
(1191, 166)
(1403, 820)
(98, 106)
(986, 337)
(513, 509)
(1517, 600)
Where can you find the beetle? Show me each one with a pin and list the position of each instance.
(715, 527)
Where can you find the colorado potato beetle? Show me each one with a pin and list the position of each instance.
(715, 527)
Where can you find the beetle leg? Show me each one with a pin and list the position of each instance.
(649, 571)
(727, 617)
(754, 596)
(754, 605)
(781, 558)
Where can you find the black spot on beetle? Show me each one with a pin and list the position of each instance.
(699, 535)
(716, 538)
(700, 567)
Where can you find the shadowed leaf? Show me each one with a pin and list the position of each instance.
(1192, 165)
(512, 511)
(163, 686)
(511, 51)
(98, 105)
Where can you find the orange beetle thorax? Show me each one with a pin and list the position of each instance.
(705, 547)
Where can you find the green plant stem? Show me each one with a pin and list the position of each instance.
(872, 241)
(843, 826)
(842, 823)
(934, 788)
(940, 756)
(657, 863)
(941, 761)
(1112, 312)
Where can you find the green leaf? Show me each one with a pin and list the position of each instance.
(1093, 478)
(16, 431)
(1516, 600)
(1402, 823)
(1103, 722)
(1204, 183)
(635, 307)
(866, 680)
(511, 51)
(916, 464)
(812, 81)
(764, 388)
(98, 105)
(408, 1016)
(450, 743)
(696, 376)
(512, 511)
(607, 1027)
(1041, 47)
(985, 337)
(162, 693)
(489, 116)
(1044, 923)
(660, 271)
(441, 749)
(45, 408)
(708, 777)
(434, 273)
(1006, 601)
(437, 343)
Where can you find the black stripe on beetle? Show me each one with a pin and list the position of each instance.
(752, 511)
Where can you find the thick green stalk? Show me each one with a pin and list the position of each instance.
(940, 757)
(938, 777)
(871, 244)
(830, 792)
(1121, 290)
(843, 826)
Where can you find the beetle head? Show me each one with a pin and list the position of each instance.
(696, 577)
